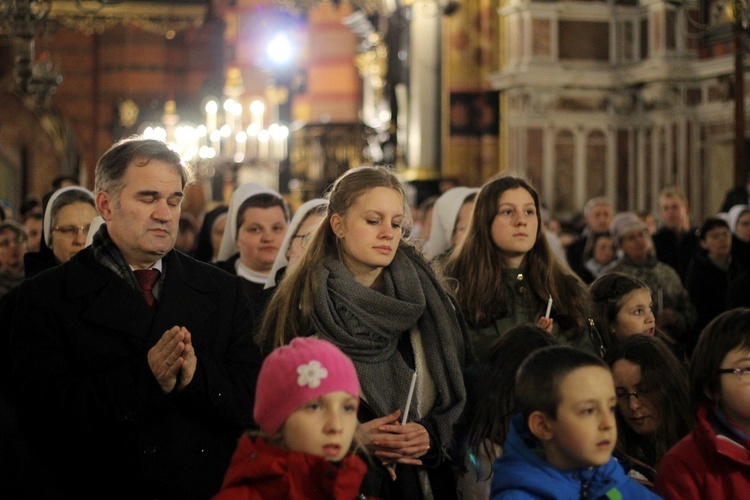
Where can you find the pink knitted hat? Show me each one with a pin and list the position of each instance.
(294, 374)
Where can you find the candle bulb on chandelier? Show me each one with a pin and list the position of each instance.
(211, 108)
(257, 108)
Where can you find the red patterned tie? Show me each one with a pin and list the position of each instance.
(147, 279)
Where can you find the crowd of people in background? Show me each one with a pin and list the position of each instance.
(354, 346)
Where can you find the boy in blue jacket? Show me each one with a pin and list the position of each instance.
(560, 445)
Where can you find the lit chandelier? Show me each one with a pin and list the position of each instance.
(368, 6)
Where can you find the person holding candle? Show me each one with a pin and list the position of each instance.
(505, 273)
(360, 285)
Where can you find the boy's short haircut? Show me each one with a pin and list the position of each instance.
(711, 223)
(539, 376)
(726, 332)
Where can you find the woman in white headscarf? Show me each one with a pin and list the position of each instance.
(450, 218)
(256, 226)
(67, 219)
(306, 220)
(738, 219)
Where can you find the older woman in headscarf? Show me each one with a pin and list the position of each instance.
(306, 220)
(738, 219)
(67, 219)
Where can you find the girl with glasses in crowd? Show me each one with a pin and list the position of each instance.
(713, 461)
(653, 412)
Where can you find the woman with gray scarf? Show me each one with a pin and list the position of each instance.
(360, 286)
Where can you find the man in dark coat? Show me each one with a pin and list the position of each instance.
(131, 394)
(598, 214)
(676, 241)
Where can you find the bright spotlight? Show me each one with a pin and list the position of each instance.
(280, 49)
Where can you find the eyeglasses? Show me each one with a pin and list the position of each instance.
(638, 395)
(634, 234)
(304, 239)
(718, 234)
(72, 231)
(18, 240)
(742, 373)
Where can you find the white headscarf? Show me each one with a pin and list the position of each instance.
(96, 223)
(734, 214)
(51, 203)
(299, 216)
(444, 220)
(229, 241)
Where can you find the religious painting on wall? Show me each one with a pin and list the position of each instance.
(475, 113)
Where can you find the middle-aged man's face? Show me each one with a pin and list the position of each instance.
(672, 212)
(599, 217)
(143, 218)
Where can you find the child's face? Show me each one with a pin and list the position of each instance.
(734, 392)
(635, 315)
(717, 242)
(633, 399)
(515, 226)
(604, 250)
(323, 426)
(584, 432)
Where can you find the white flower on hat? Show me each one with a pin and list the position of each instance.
(311, 374)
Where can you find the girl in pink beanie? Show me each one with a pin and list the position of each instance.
(306, 407)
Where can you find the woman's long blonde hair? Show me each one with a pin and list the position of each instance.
(289, 311)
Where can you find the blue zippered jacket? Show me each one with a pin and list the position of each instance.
(521, 473)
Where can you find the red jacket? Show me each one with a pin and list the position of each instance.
(704, 465)
(260, 470)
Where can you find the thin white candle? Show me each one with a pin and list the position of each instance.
(549, 307)
(409, 398)
(257, 108)
(211, 108)
(263, 138)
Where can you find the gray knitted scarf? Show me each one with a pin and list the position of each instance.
(367, 324)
